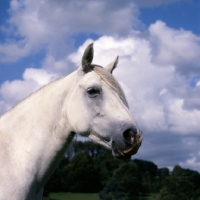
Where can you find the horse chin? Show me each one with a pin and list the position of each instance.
(117, 153)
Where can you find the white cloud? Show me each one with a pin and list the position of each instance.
(191, 163)
(178, 47)
(179, 116)
(59, 66)
(49, 24)
(193, 153)
(12, 92)
(40, 76)
(163, 92)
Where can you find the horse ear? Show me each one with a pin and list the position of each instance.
(111, 66)
(87, 57)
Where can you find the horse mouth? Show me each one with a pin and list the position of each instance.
(136, 142)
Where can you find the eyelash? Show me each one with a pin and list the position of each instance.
(93, 92)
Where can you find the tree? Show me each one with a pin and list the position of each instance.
(183, 184)
(124, 184)
(88, 147)
(159, 180)
(106, 165)
(176, 188)
(91, 168)
(81, 175)
(55, 183)
(114, 190)
(147, 174)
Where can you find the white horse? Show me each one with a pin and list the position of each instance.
(35, 134)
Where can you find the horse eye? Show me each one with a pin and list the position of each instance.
(93, 92)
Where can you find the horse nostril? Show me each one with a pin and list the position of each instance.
(127, 136)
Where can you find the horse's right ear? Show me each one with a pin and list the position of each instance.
(87, 57)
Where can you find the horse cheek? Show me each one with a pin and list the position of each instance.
(78, 116)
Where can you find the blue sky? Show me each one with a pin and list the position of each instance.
(181, 14)
(159, 68)
(184, 14)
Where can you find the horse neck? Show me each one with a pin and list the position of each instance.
(35, 134)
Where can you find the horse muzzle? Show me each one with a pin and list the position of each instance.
(132, 142)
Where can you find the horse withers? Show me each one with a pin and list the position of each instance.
(35, 134)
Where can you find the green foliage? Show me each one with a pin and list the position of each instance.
(81, 175)
(88, 147)
(55, 183)
(91, 168)
(183, 184)
(128, 174)
(147, 173)
(159, 180)
(130, 179)
(106, 165)
(114, 190)
(176, 188)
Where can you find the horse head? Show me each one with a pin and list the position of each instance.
(97, 108)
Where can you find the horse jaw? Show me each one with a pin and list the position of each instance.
(100, 141)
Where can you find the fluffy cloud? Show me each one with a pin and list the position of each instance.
(11, 92)
(178, 47)
(36, 24)
(193, 160)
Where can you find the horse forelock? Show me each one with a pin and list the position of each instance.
(109, 79)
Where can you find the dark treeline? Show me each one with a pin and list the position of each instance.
(92, 169)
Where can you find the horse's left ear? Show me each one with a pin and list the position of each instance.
(111, 66)
(87, 58)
